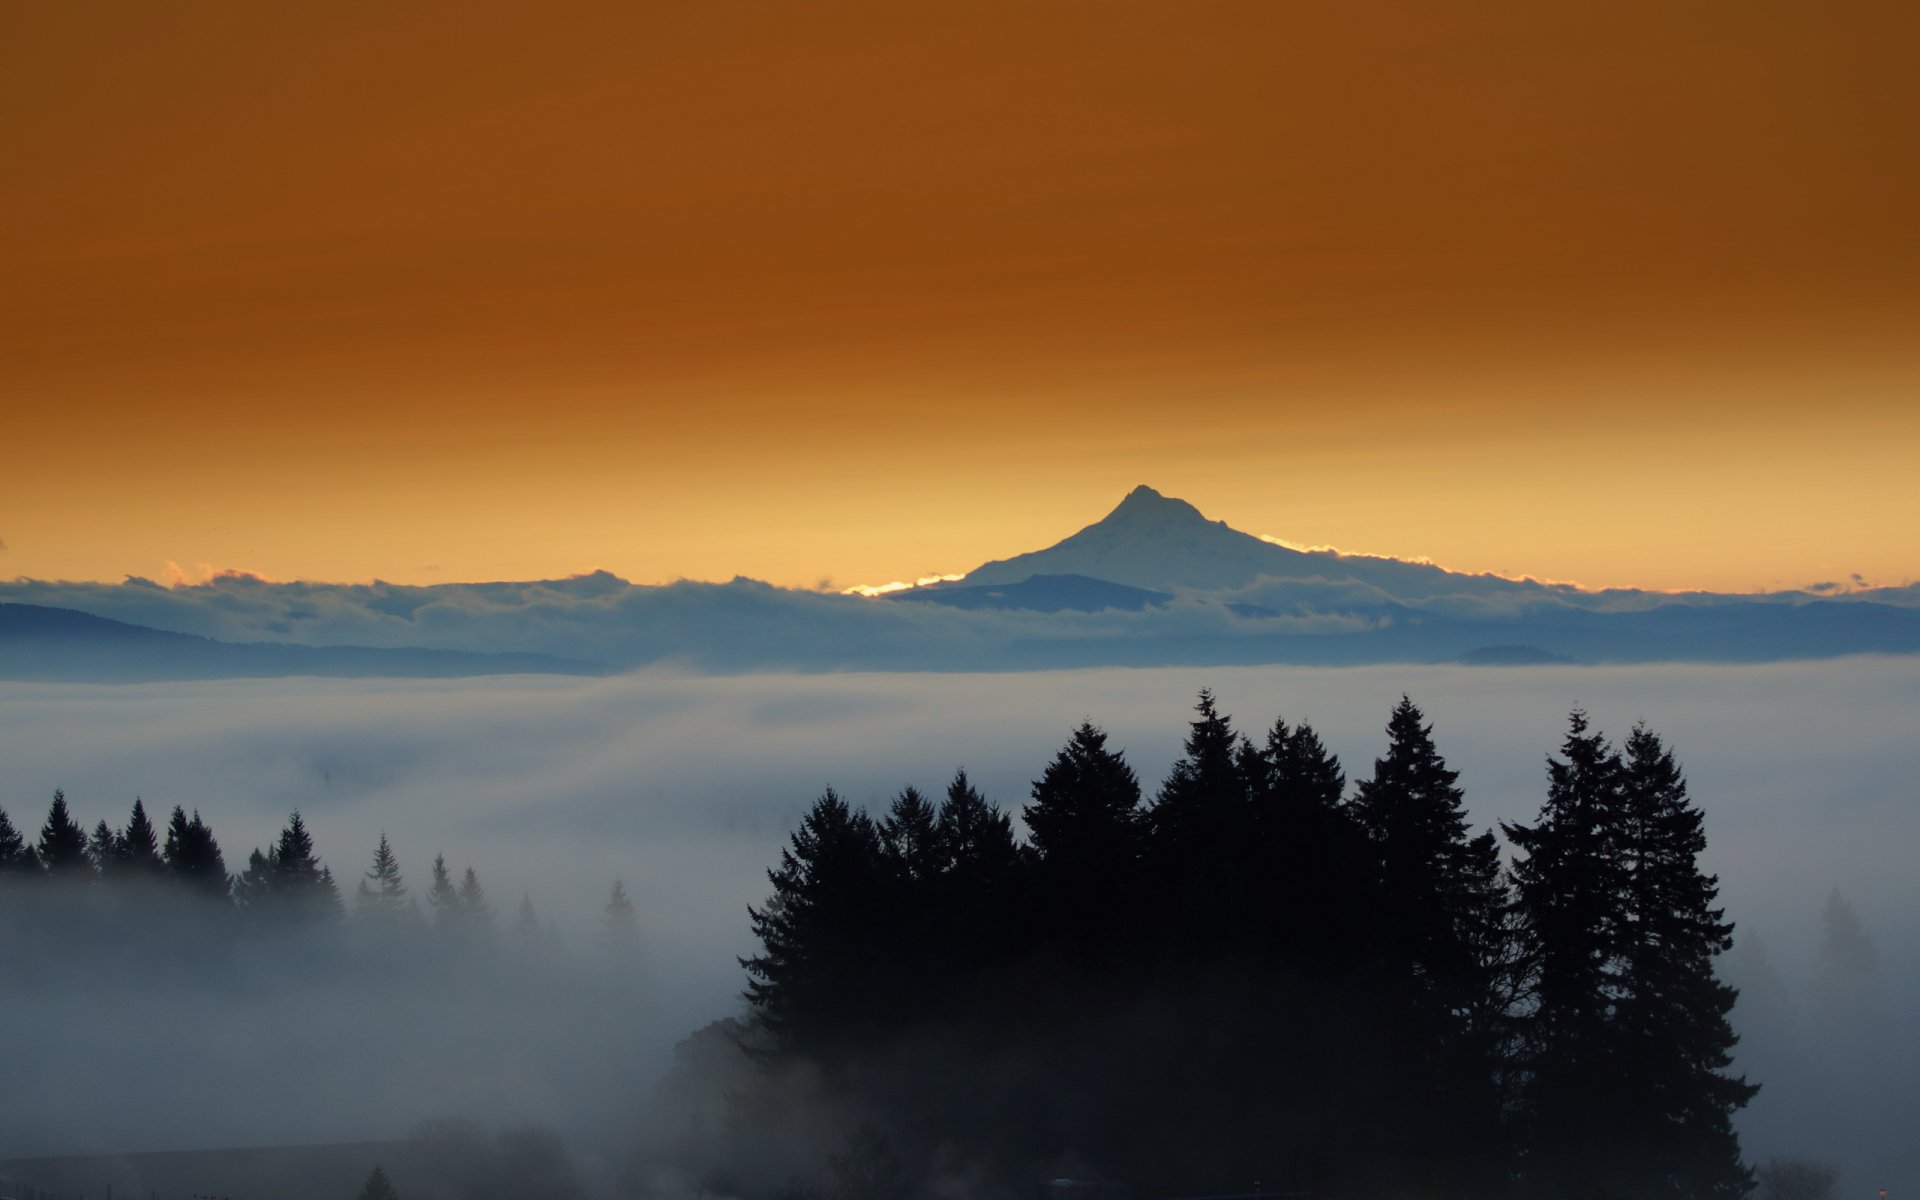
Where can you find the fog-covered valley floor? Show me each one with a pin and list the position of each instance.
(686, 787)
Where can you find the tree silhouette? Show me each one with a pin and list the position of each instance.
(619, 932)
(378, 1187)
(813, 984)
(382, 894)
(63, 844)
(16, 857)
(139, 846)
(1673, 1011)
(1085, 828)
(443, 898)
(192, 855)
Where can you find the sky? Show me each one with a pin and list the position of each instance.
(1615, 293)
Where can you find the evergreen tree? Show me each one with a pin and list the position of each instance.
(1084, 825)
(812, 985)
(620, 929)
(526, 924)
(1308, 852)
(443, 897)
(1436, 892)
(289, 884)
(139, 846)
(476, 915)
(980, 893)
(378, 1187)
(105, 849)
(192, 855)
(1846, 983)
(16, 857)
(1673, 1011)
(253, 887)
(910, 839)
(1569, 882)
(63, 844)
(302, 884)
(1199, 842)
(382, 894)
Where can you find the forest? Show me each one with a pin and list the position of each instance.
(1257, 979)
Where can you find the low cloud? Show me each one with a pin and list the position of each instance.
(687, 785)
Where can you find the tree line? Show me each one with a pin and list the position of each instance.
(1257, 978)
(286, 886)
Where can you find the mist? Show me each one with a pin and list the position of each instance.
(686, 786)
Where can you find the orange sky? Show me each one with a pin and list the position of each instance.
(1622, 293)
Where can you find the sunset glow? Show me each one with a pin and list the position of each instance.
(1623, 294)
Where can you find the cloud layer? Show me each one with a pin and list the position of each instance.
(686, 786)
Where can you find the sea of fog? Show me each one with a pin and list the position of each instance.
(686, 787)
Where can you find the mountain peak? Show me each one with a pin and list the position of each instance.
(1143, 503)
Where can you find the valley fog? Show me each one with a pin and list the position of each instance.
(686, 787)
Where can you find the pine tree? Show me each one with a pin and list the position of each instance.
(811, 987)
(104, 849)
(443, 898)
(526, 923)
(619, 932)
(1673, 1011)
(288, 884)
(1846, 983)
(140, 851)
(1308, 852)
(382, 894)
(910, 839)
(1199, 847)
(476, 915)
(16, 857)
(378, 1187)
(1436, 894)
(980, 891)
(192, 855)
(1084, 824)
(1568, 883)
(63, 844)
(302, 884)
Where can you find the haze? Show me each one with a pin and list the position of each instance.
(687, 786)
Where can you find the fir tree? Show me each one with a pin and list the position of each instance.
(443, 897)
(378, 1187)
(619, 932)
(289, 884)
(476, 915)
(139, 846)
(1308, 851)
(105, 849)
(526, 924)
(302, 885)
(192, 855)
(1673, 1011)
(910, 839)
(812, 985)
(63, 844)
(1568, 885)
(1084, 825)
(1199, 847)
(1436, 892)
(382, 894)
(16, 857)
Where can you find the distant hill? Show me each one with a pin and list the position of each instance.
(37, 642)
